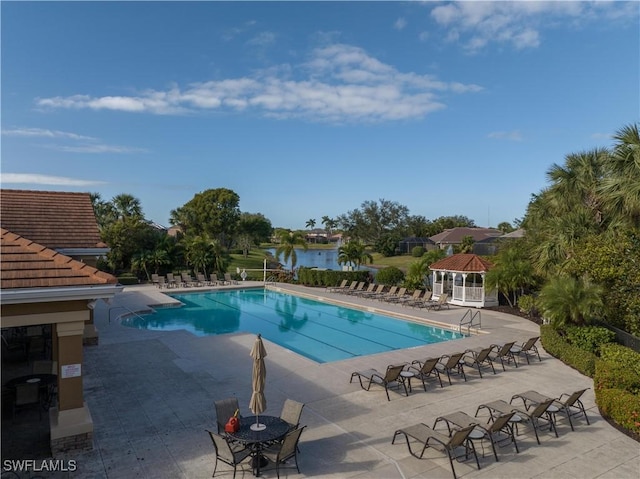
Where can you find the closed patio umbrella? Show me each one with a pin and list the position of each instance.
(258, 402)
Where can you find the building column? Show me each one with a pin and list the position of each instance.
(71, 423)
(464, 287)
(483, 287)
(90, 335)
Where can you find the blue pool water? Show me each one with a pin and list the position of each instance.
(320, 331)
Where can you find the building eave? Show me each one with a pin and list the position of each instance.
(75, 252)
(46, 295)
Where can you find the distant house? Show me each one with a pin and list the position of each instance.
(407, 244)
(489, 246)
(462, 277)
(454, 236)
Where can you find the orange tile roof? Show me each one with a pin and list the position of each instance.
(26, 264)
(466, 263)
(55, 219)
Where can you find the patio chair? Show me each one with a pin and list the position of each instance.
(421, 302)
(392, 291)
(286, 450)
(427, 437)
(230, 454)
(395, 298)
(378, 290)
(503, 353)
(171, 280)
(188, 280)
(426, 369)
(389, 379)
(452, 364)
(355, 290)
(527, 348)
(370, 289)
(407, 299)
(225, 408)
(202, 280)
(534, 417)
(155, 279)
(228, 279)
(497, 431)
(291, 413)
(439, 303)
(570, 405)
(478, 359)
(342, 285)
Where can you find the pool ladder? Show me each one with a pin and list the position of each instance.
(468, 320)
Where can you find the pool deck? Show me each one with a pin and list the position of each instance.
(151, 397)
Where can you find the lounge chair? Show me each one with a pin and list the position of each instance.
(439, 303)
(405, 300)
(356, 290)
(231, 454)
(155, 279)
(202, 280)
(421, 302)
(527, 348)
(451, 364)
(228, 279)
(342, 285)
(391, 378)
(377, 291)
(503, 353)
(187, 280)
(534, 417)
(171, 280)
(478, 359)
(427, 437)
(392, 291)
(395, 298)
(365, 292)
(569, 404)
(351, 287)
(426, 369)
(497, 431)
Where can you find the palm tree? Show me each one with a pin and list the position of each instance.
(621, 188)
(289, 240)
(565, 300)
(417, 272)
(310, 224)
(127, 206)
(329, 225)
(354, 253)
(104, 211)
(142, 261)
(159, 257)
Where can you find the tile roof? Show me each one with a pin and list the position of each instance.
(55, 219)
(466, 263)
(455, 235)
(26, 264)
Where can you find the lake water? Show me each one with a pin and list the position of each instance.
(323, 259)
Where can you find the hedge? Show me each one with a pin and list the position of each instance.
(622, 355)
(127, 279)
(329, 277)
(621, 406)
(557, 346)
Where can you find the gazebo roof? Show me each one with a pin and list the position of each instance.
(464, 263)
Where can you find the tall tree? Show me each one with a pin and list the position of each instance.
(311, 223)
(354, 253)
(375, 219)
(213, 212)
(127, 206)
(569, 301)
(289, 240)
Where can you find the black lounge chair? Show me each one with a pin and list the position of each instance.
(527, 348)
(503, 353)
(478, 359)
(569, 404)
(452, 364)
(425, 369)
(389, 379)
(427, 437)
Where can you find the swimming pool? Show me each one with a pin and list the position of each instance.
(321, 331)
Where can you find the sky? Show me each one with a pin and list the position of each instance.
(309, 109)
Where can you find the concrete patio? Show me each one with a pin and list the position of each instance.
(151, 397)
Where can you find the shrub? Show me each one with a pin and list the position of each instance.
(417, 251)
(610, 375)
(127, 279)
(621, 406)
(328, 277)
(571, 355)
(589, 338)
(390, 275)
(622, 355)
(527, 304)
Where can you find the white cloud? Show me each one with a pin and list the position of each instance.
(35, 179)
(506, 135)
(97, 148)
(341, 83)
(400, 23)
(44, 133)
(262, 39)
(477, 24)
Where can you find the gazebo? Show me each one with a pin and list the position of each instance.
(462, 277)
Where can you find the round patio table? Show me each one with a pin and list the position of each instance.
(275, 428)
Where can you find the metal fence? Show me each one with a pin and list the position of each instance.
(624, 338)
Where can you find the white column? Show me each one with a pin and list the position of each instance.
(464, 287)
